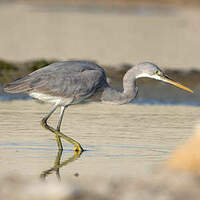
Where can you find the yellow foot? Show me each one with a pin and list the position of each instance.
(78, 149)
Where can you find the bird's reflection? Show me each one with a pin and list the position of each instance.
(58, 164)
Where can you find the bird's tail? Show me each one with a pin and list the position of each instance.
(18, 86)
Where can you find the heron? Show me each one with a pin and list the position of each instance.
(72, 82)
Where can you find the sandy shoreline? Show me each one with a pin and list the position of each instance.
(168, 37)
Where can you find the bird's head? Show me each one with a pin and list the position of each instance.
(151, 70)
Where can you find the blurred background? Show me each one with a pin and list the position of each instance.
(116, 33)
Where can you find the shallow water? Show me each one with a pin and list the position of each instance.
(118, 139)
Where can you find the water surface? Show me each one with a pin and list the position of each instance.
(118, 139)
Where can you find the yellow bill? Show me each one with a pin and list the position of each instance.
(168, 80)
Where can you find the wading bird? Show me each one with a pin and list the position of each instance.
(71, 82)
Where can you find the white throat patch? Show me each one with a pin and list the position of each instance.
(148, 76)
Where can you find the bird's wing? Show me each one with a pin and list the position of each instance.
(77, 84)
(60, 83)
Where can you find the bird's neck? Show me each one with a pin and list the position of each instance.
(111, 95)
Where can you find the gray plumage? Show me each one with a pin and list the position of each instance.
(79, 80)
(71, 82)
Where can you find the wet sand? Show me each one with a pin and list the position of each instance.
(127, 148)
(118, 139)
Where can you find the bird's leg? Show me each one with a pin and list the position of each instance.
(58, 126)
(77, 146)
(45, 125)
(61, 117)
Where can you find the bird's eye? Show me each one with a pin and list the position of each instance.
(159, 73)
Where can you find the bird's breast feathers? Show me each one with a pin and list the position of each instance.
(51, 99)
